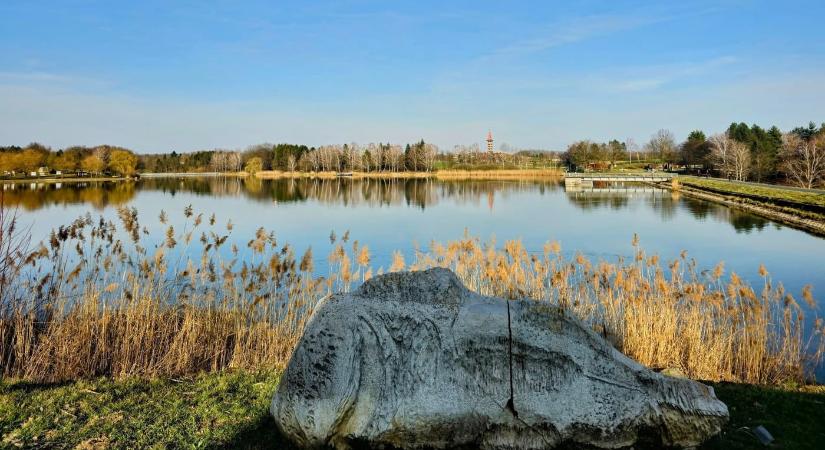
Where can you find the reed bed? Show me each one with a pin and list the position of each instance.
(112, 299)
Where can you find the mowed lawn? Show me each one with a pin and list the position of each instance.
(230, 410)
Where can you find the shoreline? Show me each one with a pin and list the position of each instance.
(437, 174)
(449, 174)
(815, 227)
(62, 180)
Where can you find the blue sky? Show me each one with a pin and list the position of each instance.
(161, 75)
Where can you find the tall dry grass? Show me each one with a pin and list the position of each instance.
(104, 298)
(663, 315)
(98, 299)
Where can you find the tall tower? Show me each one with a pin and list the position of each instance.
(490, 141)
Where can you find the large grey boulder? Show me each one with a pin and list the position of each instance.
(415, 360)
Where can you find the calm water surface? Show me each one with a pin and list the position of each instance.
(390, 215)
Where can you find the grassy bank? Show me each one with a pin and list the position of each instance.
(230, 409)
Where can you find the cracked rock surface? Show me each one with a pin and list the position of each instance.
(415, 360)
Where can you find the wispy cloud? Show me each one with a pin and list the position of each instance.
(574, 31)
(35, 76)
(39, 78)
(584, 28)
(648, 78)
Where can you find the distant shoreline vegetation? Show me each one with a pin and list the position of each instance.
(289, 160)
(36, 161)
(741, 152)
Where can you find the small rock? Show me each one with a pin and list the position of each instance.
(674, 372)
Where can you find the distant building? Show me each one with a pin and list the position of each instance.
(490, 141)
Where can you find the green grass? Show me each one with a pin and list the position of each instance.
(209, 411)
(756, 192)
(231, 410)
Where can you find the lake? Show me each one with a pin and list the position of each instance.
(399, 214)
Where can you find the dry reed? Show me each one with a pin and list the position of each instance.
(100, 298)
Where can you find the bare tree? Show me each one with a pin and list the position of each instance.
(354, 157)
(630, 145)
(218, 161)
(102, 152)
(430, 152)
(663, 145)
(803, 160)
(381, 157)
(398, 154)
(741, 161)
(310, 161)
(730, 156)
(234, 161)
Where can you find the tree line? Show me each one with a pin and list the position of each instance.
(380, 157)
(742, 152)
(77, 160)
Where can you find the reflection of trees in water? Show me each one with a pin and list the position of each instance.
(206, 185)
(419, 192)
(699, 209)
(666, 203)
(745, 222)
(595, 200)
(489, 191)
(742, 221)
(99, 194)
(416, 192)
